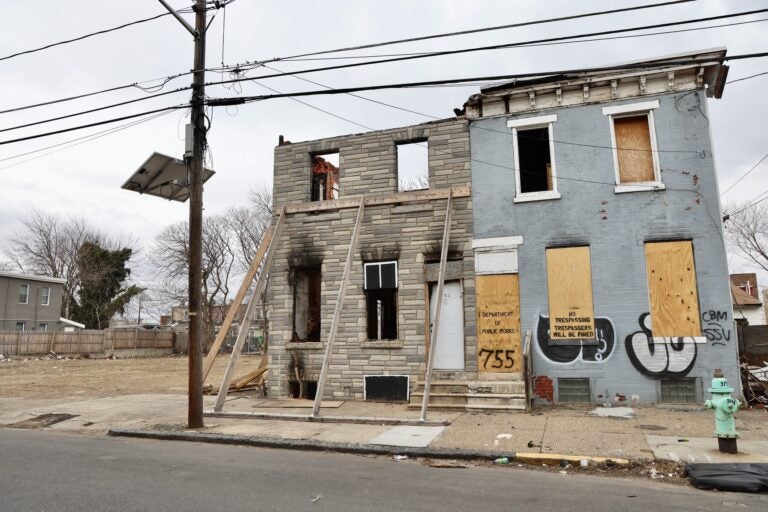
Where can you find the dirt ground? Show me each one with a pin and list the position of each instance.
(99, 378)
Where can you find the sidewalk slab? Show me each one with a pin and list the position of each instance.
(704, 449)
(408, 436)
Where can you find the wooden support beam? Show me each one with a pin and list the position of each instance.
(438, 307)
(337, 311)
(250, 311)
(378, 200)
(239, 297)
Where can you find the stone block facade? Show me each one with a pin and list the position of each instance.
(409, 233)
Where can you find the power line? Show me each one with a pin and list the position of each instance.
(747, 77)
(402, 85)
(743, 175)
(407, 57)
(500, 47)
(759, 199)
(99, 123)
(86, 36)
(478, 30)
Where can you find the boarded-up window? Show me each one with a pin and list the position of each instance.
(634, 150)
(569, 282)
(672, 289)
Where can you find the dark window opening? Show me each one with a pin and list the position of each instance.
(389, 388)
(413, 166)
(309, 389)
(381, 300)
(307, 284)
(325, 177)
(535, 160)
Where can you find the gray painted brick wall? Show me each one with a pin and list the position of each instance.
(615, 226)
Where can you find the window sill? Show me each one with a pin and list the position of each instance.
(304, 345)
(646, 186)
(382, 344)
(536, 196)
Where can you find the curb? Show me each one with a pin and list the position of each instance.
(360, 449)
(304, 444)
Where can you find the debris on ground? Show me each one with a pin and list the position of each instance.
(316, 498)
(501, 460)
(754, 380)
(400, 457)
(735, 477)
(443, 463)
(626, 413)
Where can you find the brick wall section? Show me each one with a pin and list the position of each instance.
(409, 233)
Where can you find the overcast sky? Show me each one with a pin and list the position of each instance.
(85, 179)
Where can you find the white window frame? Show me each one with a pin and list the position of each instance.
(633, 110)
(23, 326)
(45, 299)
(26, 293)
(42, 326)
(379, 264)
(529, 123)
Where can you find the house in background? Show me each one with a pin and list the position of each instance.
(746, 299)
(32, 303)
(596, 213)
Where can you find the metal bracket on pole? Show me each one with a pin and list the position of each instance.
(337, 311)
(438, 307)
(176, 15)
(249, 313)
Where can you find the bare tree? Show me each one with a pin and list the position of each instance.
(48, 245)
(747, 231)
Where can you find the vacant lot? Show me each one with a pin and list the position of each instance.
(96, 378)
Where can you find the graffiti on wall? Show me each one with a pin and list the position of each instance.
(716, 327)
(658, 357)
(567, 354)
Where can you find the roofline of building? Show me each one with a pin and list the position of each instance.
(32, 277)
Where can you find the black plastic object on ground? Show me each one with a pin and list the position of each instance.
(738, 477)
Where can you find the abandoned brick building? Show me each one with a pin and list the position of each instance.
(585, 235)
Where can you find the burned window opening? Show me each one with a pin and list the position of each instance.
(309, 389)
(535, 160)
(381, 300)
(325, 177)
(413, 166)
(307, 283)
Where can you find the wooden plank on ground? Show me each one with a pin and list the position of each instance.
(672, 289)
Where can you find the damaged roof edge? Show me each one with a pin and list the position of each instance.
(711, 56)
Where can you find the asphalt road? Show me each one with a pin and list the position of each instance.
(44, 471)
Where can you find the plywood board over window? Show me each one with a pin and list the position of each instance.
(569, 283)
(634, 149)
(672, 290)
(498, 323)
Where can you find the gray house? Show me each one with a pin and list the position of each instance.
(32, 303)
(597, 230)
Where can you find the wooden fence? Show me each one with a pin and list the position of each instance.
(125, 343)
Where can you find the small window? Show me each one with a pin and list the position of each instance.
(535, 176)
(412, 166)
(24, 294)
(45, 296)
(325, 177)
(21, 326)
(43, 326)
(307, 284)
(574, 391)
(381, 300)
(678, 391)
(635, 154)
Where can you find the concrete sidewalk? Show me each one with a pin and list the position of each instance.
(677, 434)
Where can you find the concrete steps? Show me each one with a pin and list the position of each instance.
(508, 395)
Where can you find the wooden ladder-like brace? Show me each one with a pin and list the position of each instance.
(436, 325)
(337, 311)
(265, 253)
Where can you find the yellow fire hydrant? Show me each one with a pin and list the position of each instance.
(725, 406)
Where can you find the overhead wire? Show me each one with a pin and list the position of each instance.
(239, 67)
(744, 175)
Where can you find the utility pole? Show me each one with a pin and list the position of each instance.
(195, 165)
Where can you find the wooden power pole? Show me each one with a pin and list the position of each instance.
(195, 349)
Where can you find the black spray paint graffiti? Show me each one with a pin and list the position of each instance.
(716, 327)
(606, 339)
(660, 357)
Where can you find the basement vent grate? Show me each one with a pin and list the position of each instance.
(388, 388)
(679, 391)
(574, 391)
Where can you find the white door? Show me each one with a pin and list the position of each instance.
(449, 354)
